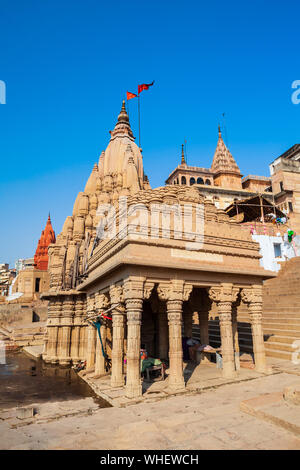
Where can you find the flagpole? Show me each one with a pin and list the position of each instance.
(139, 120)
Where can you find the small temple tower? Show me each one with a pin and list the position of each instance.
(226, 172)
(32, 281)
(41, 254)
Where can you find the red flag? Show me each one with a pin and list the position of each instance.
(144, 86)
(130, 95)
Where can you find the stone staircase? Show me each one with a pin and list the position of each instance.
(281, 316)
(281, 311)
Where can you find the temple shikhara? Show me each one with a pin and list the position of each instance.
(34, 279)
(41, 254)
(158, 282)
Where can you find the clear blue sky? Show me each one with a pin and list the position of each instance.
(68, 63)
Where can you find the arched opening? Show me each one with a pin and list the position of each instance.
(207, 181)
(192, 181)
(183, 180)
(200, 181)
(35, 317)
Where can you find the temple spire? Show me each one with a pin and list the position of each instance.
(41, 254)
(182, 155)
(223, 161)
(122, 128)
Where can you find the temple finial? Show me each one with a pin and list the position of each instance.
(123, 116)
(219, 128)
(182, 154)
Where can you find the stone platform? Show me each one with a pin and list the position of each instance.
(198, 378)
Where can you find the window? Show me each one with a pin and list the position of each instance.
(183, 180)
(35, 317)
(37, 284)
(281, 186)
(277, 250)
(207, 181)
(290, 207)
(192, 181)
(200, 181)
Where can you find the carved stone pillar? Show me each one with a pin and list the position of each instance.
(83, 341)
(75, 336)
(66, 322)
(253, 297)
(174, 310)
(224, 295)
(134, 308)
(174, 294)
(54, 311)
(91, 335)
(135, 289)
(116, 297)
(102, 303)
(91, 347)
(100, 359)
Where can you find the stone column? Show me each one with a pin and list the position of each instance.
(135, 290)
(66, 322)
(91, 347)
(102, 303)
(175, 293)
(54, 311)
(116, 296)
(91, 335)
(174, 310)
(75, 336)
(134, 308)
(83, 341)
(100, 359)
(224, 295)
(253, 296)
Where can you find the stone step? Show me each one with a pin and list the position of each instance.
(280, 332)
(281, 326)
(280, 305)
(269, 345)
(280, 314)
(286, 321)
(279, 354)
(282, 339)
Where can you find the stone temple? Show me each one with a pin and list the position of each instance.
(155, 259)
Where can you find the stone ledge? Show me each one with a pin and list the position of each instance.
(272, 407)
